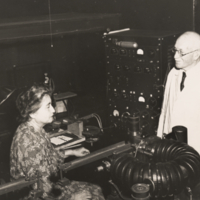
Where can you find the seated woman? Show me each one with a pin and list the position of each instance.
(32, 152)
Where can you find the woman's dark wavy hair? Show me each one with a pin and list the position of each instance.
(29, 101)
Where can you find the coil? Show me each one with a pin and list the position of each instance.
(172, 167)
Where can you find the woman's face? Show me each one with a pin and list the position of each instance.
(44, 114)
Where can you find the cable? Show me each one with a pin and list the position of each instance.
(49, 6)
(98, 119)
(117, 189)
(122, 116)
(95, 116)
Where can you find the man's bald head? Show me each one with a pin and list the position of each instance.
(190, 40)
(187, 50)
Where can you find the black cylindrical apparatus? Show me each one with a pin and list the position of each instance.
(172, 167)
(127, 44)
(140, 191)
(133, 124)
(181, 133)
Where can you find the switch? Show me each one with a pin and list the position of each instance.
(145, 115)
(114, 51)
(117, 67)
(137, 69)
(123, 52)
(152, 101)
(126, 68)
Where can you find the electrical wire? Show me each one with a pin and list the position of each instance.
(118, 191)
(96, 116)
(50, 22)
(98, 120)
(122, 116)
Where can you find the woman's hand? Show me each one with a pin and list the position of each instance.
(82, 195)
(80, 152)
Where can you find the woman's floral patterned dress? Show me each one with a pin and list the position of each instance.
(32, 153)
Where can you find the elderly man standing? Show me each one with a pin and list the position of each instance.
(181, 104)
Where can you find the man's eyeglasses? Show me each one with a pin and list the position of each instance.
(174, 50)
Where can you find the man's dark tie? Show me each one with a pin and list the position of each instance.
(182, 81)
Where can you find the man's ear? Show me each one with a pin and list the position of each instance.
(196, 54)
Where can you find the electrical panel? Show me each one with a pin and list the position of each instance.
(137, 65)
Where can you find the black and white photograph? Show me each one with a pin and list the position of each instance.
(100, 100)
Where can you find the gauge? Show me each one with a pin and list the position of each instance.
(116, 113)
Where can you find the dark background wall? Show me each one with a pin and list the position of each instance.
(142, 14)
(77, 61)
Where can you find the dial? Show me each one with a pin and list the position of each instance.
(116, 113)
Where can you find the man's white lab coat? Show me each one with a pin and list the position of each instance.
(182, 107)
